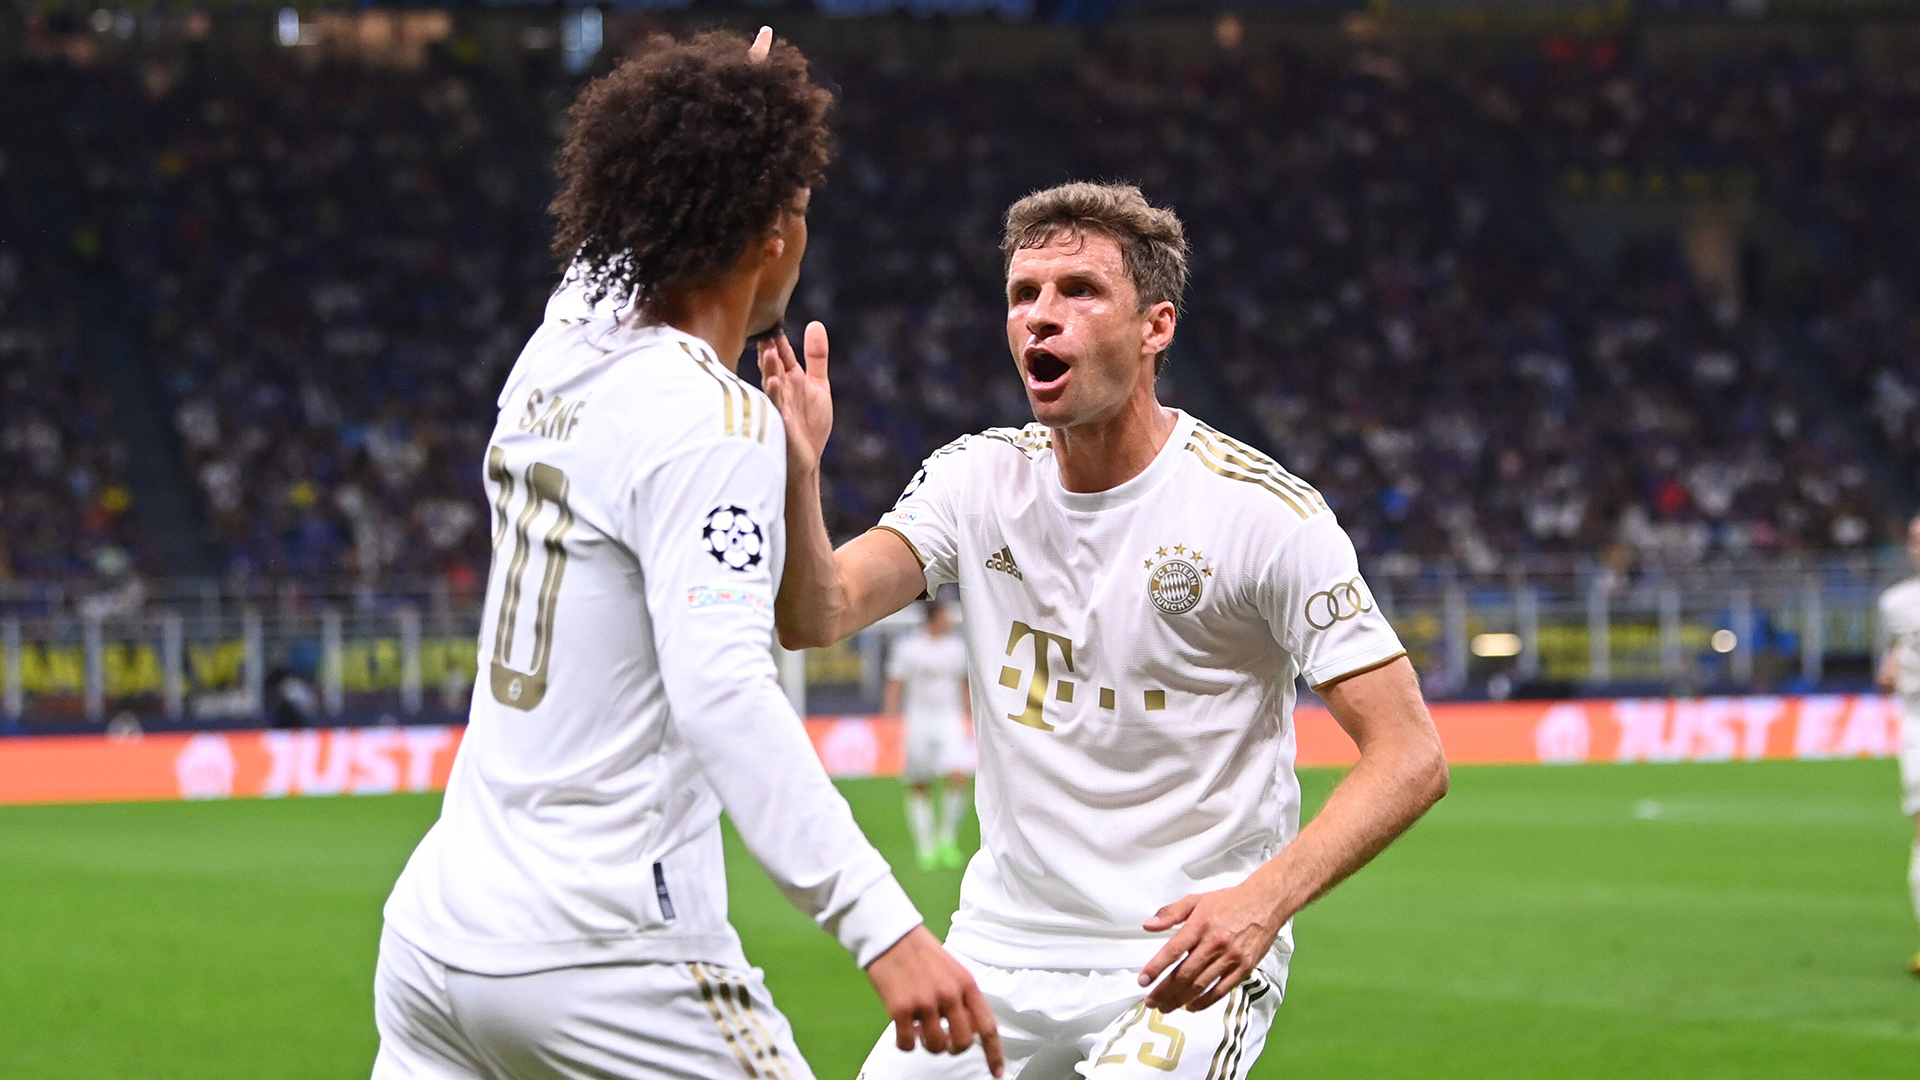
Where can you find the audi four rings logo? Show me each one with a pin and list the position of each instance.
(1337, 604)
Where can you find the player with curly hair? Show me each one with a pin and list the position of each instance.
(567, 915)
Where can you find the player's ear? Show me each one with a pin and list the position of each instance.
(1156, 328)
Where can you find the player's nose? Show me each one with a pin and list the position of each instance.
(1043, 315)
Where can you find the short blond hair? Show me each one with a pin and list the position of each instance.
(1153, 244)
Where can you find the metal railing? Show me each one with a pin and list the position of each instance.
(66, 672)
(1547, 629)
(216, 654)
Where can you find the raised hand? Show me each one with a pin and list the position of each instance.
(932, 999)
(802, 394)
(762, 45)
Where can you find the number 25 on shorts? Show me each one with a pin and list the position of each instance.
(1150, 1053)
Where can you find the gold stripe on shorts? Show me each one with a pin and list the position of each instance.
(719, 1021)
(773, 1062)
(1236, 1001)
(1233, 1038)
(1256, 989)
(733, 994)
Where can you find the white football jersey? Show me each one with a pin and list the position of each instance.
(1135, 652)
(627, 690)
(1900, 617)
(930, 671)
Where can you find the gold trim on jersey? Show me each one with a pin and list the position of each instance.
(921, 559)
(1248, 457)
(1029, 440)
(497, 472)
(1237, 461)
(545, 484)
(1344, 676)
(953, 447)
(729, 382)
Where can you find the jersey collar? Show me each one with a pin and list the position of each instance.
(610, 323)
(1093, 502)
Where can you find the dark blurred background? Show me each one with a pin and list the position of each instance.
(1594, 323)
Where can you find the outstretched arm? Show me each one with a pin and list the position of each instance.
(825, 595)
(1223, 935)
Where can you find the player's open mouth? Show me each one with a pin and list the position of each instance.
(1045, 369)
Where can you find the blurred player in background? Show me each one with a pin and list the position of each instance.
(1140, 595)
(567, 915)
(1899, 674)
(927, 689)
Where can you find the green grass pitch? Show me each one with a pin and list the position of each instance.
(1684, 921)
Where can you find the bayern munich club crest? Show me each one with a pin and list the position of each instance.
(1176, 578)
(733, 539)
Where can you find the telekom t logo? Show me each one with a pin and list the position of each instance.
(1010, 677)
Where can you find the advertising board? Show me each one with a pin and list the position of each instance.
(381, 760)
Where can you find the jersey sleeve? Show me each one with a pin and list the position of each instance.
(700, 523)
(1320, 609)
(928, 515)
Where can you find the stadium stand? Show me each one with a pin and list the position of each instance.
(1378, 298)
(336, 267)
(336, 264)
(63, 495)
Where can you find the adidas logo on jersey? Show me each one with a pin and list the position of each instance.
(1002, 561)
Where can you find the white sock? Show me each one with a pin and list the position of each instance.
(1913, 878)
(920, 820)
(953, 806)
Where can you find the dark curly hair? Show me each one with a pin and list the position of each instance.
(681, 157)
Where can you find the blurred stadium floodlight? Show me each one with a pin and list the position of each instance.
(1498, 645)
(580, 38)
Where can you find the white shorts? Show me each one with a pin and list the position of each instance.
(935, 749)
(1055, 1025)
(686, 1021)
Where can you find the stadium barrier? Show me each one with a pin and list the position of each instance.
(380, 760)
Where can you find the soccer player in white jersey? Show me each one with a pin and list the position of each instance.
(566, 917)
(927, 689)
(1140, 593)
(1899, 674)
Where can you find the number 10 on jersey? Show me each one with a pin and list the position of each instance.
(546, 487)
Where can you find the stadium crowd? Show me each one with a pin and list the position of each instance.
(336, 268)
(63, 498)
(337, 265)
(1376, 299)
(1820, 152)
